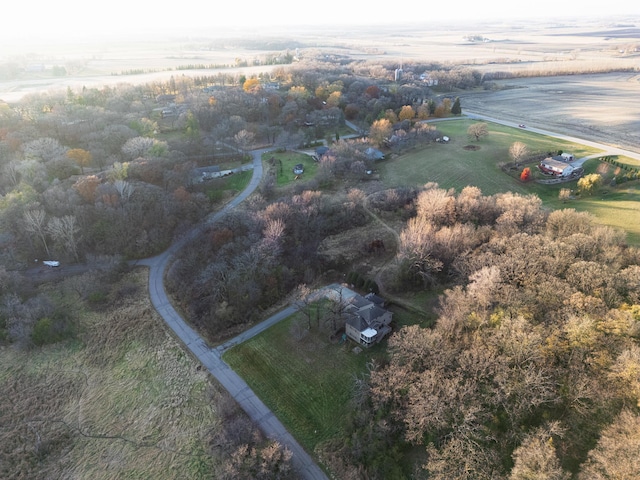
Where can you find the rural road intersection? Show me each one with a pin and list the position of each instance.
(210, 358)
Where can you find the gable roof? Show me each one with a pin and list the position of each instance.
(375, 299)
(370, 315)
(321, 150)
(357, 322)
(359, 301)
(373, 154)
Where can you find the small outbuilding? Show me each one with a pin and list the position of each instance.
(373, 154)
(320, 152)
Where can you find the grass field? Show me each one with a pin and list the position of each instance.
(221, 188)
(452, 166)
(307, 383)
(620, 208)
(632, 162)
(122, 400)
(289, 160)
(238, 181)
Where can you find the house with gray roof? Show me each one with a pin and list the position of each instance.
(367, 322)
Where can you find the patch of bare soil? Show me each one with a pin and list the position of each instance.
(471, 147)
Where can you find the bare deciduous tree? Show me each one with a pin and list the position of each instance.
(517, 151)
(124, 189)
(305, 301)
(34, 222)
(138, 147)
(243, 139)
(478, 130)
(564, 195)
(617, 454)
(64, 230)
(536, 456)
(43, 149)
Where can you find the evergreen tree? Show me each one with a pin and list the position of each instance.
(432, 106)
(456, 109)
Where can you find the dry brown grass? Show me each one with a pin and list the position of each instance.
(124, 401)
(597, 107)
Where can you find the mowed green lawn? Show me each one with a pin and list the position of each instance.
(618, 208)
(289, 160)
(452, 166)
(307, 383)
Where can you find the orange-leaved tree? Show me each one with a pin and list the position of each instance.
(81, 157)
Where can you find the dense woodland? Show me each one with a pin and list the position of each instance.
(534, 356)
(108, 170)
(530, 371)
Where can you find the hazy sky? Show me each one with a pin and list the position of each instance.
(38, 19)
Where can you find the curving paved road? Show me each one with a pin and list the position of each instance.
(211, 358)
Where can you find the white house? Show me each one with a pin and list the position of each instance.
(556, 167)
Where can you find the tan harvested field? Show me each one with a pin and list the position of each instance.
(99, 64)
(600, 107)
(506, 46)
(550, 46)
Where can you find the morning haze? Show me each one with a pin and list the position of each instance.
(263, 243)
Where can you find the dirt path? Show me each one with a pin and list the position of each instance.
(391, 256)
